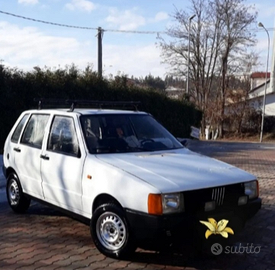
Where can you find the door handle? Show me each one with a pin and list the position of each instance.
(44, 157)
(17, 149)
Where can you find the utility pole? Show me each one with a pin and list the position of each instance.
(265, 85)
(99, 54)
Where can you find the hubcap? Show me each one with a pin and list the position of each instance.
(14, 193)
(111, 231)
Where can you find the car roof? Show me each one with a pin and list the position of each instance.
(84, 111)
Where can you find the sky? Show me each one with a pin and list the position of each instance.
(25, 44)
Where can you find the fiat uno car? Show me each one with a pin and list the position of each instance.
(126, 174)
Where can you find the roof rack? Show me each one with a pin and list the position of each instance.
(73, 103)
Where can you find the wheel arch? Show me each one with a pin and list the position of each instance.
(17, 200)
(9, 171)
(102, 199)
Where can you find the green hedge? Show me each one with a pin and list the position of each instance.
(18, 89)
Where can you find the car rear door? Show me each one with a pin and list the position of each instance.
(62, 164)
(27, 154)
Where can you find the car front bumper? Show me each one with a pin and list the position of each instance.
(179, 227)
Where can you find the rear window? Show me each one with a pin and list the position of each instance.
(16, 134)
(34, 132)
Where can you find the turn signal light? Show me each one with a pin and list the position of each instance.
(155, 204)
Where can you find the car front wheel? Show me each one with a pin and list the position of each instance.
(110, 231)
(16, 198)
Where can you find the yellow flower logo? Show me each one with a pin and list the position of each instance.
(217, 227)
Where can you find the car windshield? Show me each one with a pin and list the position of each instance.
(120, 133)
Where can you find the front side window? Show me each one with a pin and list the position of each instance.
(63, 138)
(34, 132)
(119, 133)
(16, 134)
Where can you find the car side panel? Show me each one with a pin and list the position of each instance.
(62, 176)
(102, 178)
(27, 163)
(10, 147)
(61, 180)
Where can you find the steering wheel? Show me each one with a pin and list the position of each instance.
(146, 140)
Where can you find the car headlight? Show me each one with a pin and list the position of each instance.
(251, 189)
(169, 203)
(172, 203)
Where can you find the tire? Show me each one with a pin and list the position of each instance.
(18, 202)
(110, 231)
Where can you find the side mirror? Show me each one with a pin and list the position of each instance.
(184, 142)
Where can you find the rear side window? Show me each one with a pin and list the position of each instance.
(35, 129)
(16, 134)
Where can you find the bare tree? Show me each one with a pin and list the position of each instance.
(219, 39)
(235, 18)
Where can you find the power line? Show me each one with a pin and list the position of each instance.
(96, 28)
(135, 32)
(46, 22)
(81, 27)
(261, 30)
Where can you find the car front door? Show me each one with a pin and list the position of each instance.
(62, 164)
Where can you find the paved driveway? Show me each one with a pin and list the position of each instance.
(46, 239)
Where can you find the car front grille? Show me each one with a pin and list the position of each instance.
(218, 195)
(224, 196)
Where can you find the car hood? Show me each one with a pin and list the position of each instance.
(177, 170)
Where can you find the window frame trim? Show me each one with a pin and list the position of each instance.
(26, 124)
(79, 154)
(22, 130)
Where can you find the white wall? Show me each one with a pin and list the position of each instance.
(257, 103)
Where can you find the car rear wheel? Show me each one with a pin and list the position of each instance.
(110, 231)
(18, 202)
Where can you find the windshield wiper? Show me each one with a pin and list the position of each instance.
(140, 149)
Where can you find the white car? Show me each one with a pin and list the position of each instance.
(127, 174)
